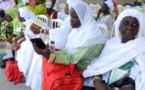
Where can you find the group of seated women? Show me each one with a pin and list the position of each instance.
(115, 64)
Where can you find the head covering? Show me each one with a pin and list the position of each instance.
(71, 2)
(6, 4)
(12, 12)
(121, 53)
(110, 5)
(84, 36)
(130, 12)
(26, 13)
(60, 35)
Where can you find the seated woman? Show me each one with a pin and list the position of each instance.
(11, 16)
(6, 28)
(83, 43)
(29, 63)
(121, 64)
(105, 16)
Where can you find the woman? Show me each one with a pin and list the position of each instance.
(60, 35)
(30, 63)
(5, 4)
(83, 44)
(125, 58)
(105, 16)
(11, 15)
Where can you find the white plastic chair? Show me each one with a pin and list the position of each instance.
(55, 23)
(44, 19)
(104, 30)
(62, 7)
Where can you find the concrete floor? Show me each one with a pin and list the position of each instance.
(6, 85)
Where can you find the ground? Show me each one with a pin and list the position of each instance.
(6, 85)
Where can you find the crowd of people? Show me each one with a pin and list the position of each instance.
(115, 62)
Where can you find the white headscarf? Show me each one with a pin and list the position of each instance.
(115, 54)
(60, 35)
(30, 17)
(26, 13)
(110, 4)
(88, 33)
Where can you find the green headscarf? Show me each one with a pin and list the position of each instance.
(31, 8)
(12, 12)
(41, 9)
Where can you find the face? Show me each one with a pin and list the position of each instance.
(104, 8)
(35, 28)
(129, 28)
(20, 18)
(75, 22)
(8, 18)
(66, 9)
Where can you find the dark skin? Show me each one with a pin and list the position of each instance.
(129, 28)
(36, 29)
(75, 23)
(21, 19)
(17, 45)
(104, 9)
(8, 18)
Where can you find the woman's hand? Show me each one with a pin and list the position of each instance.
(17, 46)
(98, 15)
(22, 33)
(46, 52)
(35, 29)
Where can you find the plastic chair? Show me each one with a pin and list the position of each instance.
(44, 19)
(55, 23)
(62, 7)
(104, 30)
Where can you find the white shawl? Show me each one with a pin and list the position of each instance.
(110, 5)
(116, 54)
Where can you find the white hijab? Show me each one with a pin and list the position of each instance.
(60, 35)
(116, 54)
(88, 33)
(26, 13)
(30, 17)
(110, 4)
